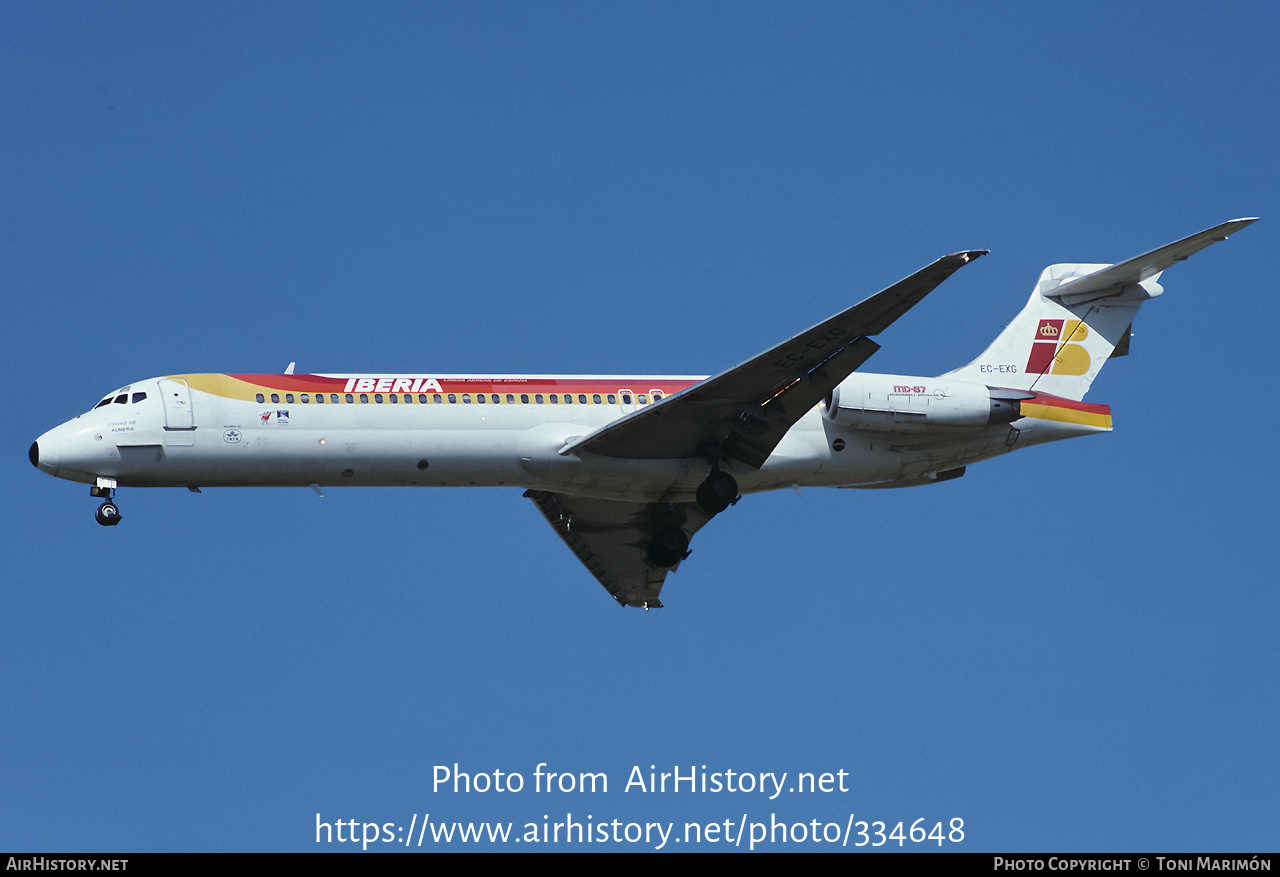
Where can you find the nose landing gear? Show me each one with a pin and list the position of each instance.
(108, 514)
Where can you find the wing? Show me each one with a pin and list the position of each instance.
(744, 412)
(612, 539)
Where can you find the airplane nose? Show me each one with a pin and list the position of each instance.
(44, 453)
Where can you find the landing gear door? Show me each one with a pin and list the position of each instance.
(178, 416)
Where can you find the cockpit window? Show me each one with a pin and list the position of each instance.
(106, 401)
(122, 398)
(138, 397)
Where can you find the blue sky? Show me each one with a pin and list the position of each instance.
(1072, 648)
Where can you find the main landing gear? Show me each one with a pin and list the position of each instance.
(715, 494)
(669, 547)
(108, 515)
(718, 490)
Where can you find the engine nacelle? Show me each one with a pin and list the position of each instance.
(894, 403)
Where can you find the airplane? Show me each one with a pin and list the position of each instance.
(626, 469)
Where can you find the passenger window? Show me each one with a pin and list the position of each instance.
(495, 398)
(333, 397)
(408, 398)
(364, 398)
(555, 400)
(422, 397)
(305, 398)
(595, 397)
(261, 398)
(122, 398)
(642, 399)
(435, 398)
(582, 398)
(393, 399)
(138, 397)
(611, 399)
(480, 398)
(319, 398)
(657, 394)
(511, 399)
(568, 398)
(350, 398)
(377, 397)
(288, 397)
(453, 399)
(275, 397)
(626, 398)
(524, 398)
(537, 397)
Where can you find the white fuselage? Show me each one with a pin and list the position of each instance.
(459, 431)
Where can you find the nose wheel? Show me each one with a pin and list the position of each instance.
(108, 514)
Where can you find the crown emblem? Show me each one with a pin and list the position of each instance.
(1048, 330)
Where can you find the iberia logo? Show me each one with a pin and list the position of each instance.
(1050, 357)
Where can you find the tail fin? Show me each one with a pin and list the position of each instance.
(1078, 317)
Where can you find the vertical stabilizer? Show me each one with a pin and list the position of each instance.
(1077, 318)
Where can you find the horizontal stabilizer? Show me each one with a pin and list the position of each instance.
(1113, 279)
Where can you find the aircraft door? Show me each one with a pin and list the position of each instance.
(178, 416)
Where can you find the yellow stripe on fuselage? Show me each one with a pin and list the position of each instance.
(221, 385)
